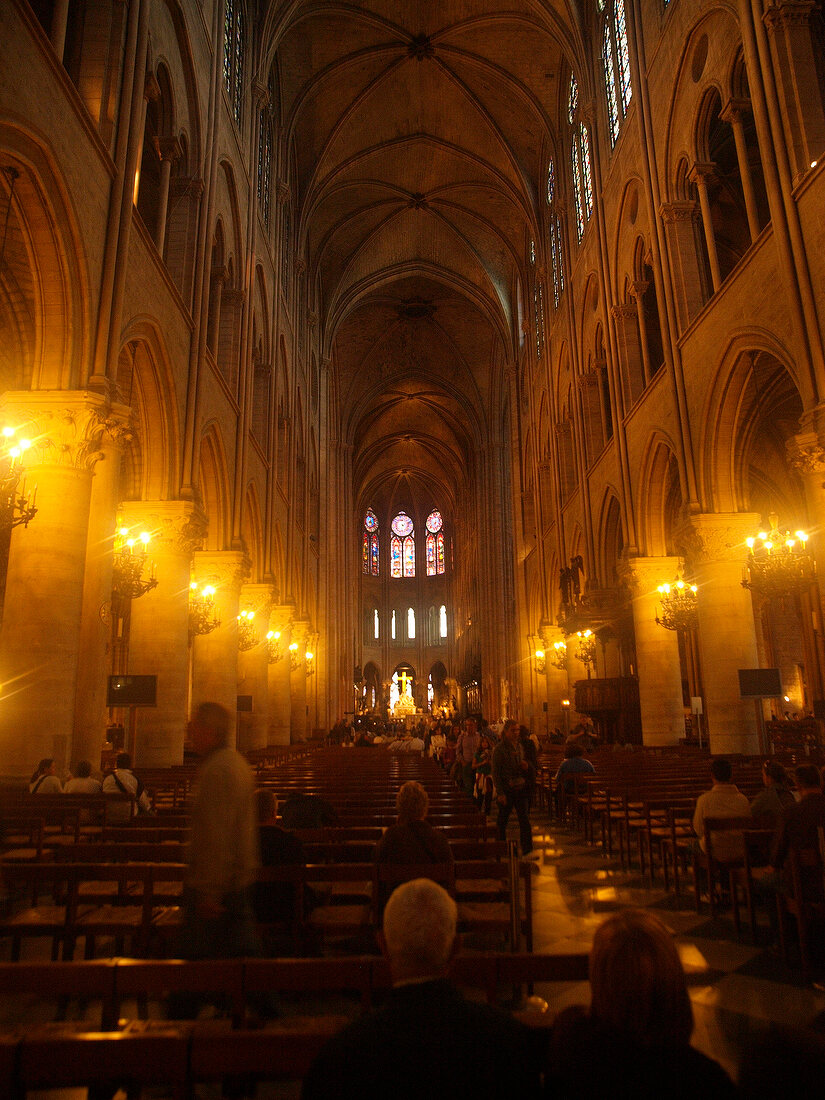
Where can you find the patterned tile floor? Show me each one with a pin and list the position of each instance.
(737, 988)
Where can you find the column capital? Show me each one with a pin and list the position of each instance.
(717, 536)
(790, 13)
(702, 172)
(624, 312)
(644, 575)
(682, 211)
(258, 598)
(168, 148)
(175, 525)
(280, 617)
(69, 428)
(639, 289)
(806, 453)
(734, 109)
(227, 569)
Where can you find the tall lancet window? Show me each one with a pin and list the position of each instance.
(435, 544)
(580, 161)
(402, 546)
(554, 236)
(616, 64)
(370, 544)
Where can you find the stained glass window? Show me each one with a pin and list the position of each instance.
(395, 556)
(264, 166)
(370, 543)
(430, 555)
(434, 522)
(439, 552)
(234, 50)
(580, 161)
(616, 63)
(610, 84)
(402, 548)
(435, 543)
(556, 261)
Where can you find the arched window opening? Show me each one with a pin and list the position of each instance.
(580, 162)
(442, 621)
(538, 302)
(265, 165)
(410, 624)
(376, 624)
(435, 544)
(554, 236)
(402, 547)
(234, 50)
(370, 544)
(392, 625)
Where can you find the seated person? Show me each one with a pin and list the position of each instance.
(307, 811)
(123, 781)
(412, 839)
(574, 764)
(44, 780)
(275, 901)
(634, 1041)
(426, 1039)
(769, 805)
(799, 829)
(83, 783)
(724, 799)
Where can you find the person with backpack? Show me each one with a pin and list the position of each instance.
(123, 781)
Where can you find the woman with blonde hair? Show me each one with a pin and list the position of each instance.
(635, 1039)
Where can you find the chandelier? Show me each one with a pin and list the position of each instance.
(558, 658)
(130, 562)
(247, 634)
(16, 507)
(309, 657)
(778, 562)
(586, 648)
(294, 659)
(203, 618)
(679, 606)
(541, 661)
(273, 646)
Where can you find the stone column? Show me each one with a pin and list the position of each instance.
(253, 669)
(794, 48)
(679, 220)
(732, 114)
(95, 631)
(159, 625)
(169, 151)
(280, 704)
(806, 452)
(657, 653)
(727, 635)
(630, 352)
(298, 680)
(40, 640)
(558, 685)
(702, 175)
(215, 655)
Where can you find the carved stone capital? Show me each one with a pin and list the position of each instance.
(806, 453)
(587, 379)
(672, 212)
(300, 265)
(301, 630)
(224, 569)
(644, 575)
(793, 13)
(66, 428)
(178, 526)
(716, 537)
(260, 94)
(258, 598)
(702, 173)
(638, 290)
(280, 618)
(624, 312)
(734, 109)
(168, 148)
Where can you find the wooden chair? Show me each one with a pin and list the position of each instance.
(280, 1052)
(140, 979)
(716, 864)
(330, 975)
(64, 982)
(27, 883)
(806, 902)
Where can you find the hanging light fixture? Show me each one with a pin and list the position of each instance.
(273, 646)
(778, 562)
(558, 655)
(247, 634)
(294, 659)
(203, 617)
(16, 507)
(586, 648)
(679, 605)
(309, 657)
(129, 565)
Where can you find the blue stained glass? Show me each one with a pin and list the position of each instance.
(587, 175)
(430, 555)
(434, 521)
(366, 555)
(228, 27)
(610, 85)
(371, 520)
(624, 55)
(374, 555)
(440, 561)
(577, 190)
(572, 100)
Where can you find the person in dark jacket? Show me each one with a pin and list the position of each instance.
(427, 1040)
(634, 1041)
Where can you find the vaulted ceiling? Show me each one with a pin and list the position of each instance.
(420, 133)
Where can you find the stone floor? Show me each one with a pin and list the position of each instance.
(737, 988)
